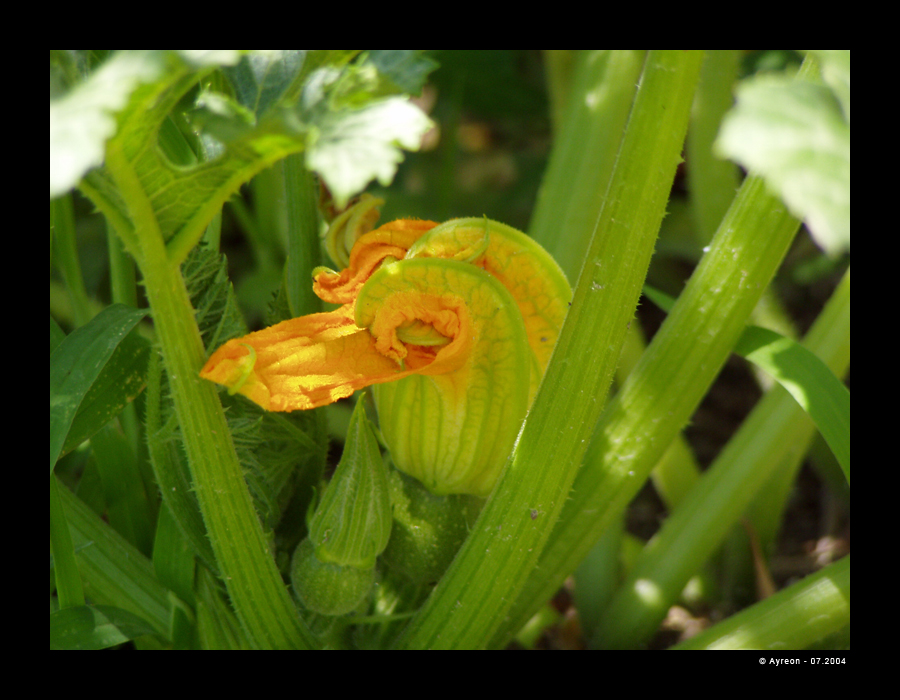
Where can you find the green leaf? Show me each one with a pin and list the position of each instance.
(283, 106)
(82, 120)
(113, 570)
(57, 334)
(120, 381)
(836, 72)
(808, 380)
(76, 364)
(795, 134)
(94, 627)
(407, 70)
(350, 148)
(69, 589)
(261, 79)
(218, 317)
(805, 377)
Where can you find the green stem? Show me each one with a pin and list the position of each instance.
(559, 66)
(712, 181)
(475, 595)
(670, 380)
(303, 252)
(258, 594)
(582, 161)
(776, 430)
(794, 618)
(67, 258)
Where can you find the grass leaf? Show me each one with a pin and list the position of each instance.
(808, 380)
(94, 627)
(120, 381)
(76, 364)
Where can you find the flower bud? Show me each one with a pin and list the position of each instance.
(348, 226)
(352, 522)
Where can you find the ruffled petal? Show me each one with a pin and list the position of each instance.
(390, 240)
(302, 363)
(452, 424)
(531, 275)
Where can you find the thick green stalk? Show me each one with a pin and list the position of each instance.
(474, 596)
(582, 161)
(259, 596)
(712, 181)
(794, 618)
(672, 377)
(777, 429)
(303, 253)
(559, 68)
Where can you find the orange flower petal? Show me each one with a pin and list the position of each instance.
(531, 275)
(302, 363)
(390, 240)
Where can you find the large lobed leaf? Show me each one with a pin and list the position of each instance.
(796, 134)
(345, 111)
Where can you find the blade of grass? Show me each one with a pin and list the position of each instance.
(114, 572)
(69, 590)
(128, 506)
(809, 381)
(474, 596)
(94, 627)
(77, 362)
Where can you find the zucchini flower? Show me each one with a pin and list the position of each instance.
(452, 325)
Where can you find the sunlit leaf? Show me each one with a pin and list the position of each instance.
(353, 147)
(796, 135)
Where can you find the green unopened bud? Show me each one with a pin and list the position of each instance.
(352, 523)
(428, 529)
(325, 588)
(347, 227)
